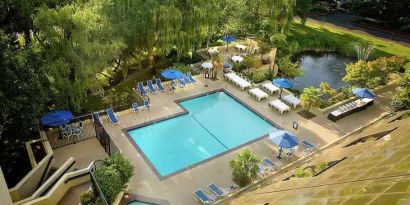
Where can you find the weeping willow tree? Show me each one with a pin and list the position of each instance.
(157, 27)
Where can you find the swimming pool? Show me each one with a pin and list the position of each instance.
(214, 124)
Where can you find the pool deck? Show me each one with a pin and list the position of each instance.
(178, 189)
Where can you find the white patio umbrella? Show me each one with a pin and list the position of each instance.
(207, 65)
(237, 59)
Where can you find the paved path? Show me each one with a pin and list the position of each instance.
(344, 20)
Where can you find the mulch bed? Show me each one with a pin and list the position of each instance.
(306, 114)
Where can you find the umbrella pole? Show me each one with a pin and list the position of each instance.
(227, 46)
(280, 94)
(280, 152)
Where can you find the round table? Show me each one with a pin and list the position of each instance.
(237, 59)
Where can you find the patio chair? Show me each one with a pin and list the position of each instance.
(112, 116)
(308, 147)
(189, 75)
(203, 197)
(151, 87)
(135, 107)
(147, 104)
(271, 165)
(66, 131)
(159, 85)
(141, 89)
(78, 130)
(218, 191)
(232, 188)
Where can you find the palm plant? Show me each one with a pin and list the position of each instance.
(244, 167)
(311, 98)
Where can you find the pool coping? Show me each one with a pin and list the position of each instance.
(184, 112)
(139, 198)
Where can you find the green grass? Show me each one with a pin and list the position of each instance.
(343, 38)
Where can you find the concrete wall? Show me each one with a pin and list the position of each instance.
(28, 185)
(66, 182)
(5, 198)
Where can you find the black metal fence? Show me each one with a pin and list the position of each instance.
(102, 135)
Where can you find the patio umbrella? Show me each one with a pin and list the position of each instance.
(56, 118)
(207, 65)
(228, 39)
(283, 138)
(363, 93)
(282, 83)
(171, 74)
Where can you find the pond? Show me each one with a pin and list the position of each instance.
(321, 67)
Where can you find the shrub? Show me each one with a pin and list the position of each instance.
(300, 172)
(122, 165)
(311, 98)
(181, 67)
(244, 167)
(320, 167)
(400, 105)
(288, 68)
(219, 42)
(87, 198)
(238, 67)
(258, 77)
(110, 182)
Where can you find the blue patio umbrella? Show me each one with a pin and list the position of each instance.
(363, 93)
(282, 83)
(228, 39)
(283, 138)
(56, 118)
(171, 74)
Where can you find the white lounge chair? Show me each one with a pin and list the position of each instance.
(292, 100)
(240, 82)
(279, 106)
(270, 87)
(258, 93)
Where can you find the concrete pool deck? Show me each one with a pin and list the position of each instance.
(179, 188)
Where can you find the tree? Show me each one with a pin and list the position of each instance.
(311, 98)
(362, 74)
(401, 99)
(24, 92)
(79, 44)
(244, 167)
(302, 9)
(288, 68)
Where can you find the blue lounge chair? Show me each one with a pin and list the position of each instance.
(218, 191)
(186, 79)
(112, 116)
(151, 87)
(135, 107)
(140, 87)
(261, 169)
(271, 165)
(203, 197)
(159, 85)
(181, 82)
(191, 78)
(147, 104)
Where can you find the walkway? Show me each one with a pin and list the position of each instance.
(343, 20)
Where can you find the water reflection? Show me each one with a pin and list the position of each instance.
(321, 67)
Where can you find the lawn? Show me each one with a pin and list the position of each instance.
(343, 35)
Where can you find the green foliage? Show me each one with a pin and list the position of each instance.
(110, 181)
(301, 173)
(239, 67)
(311, 98)
(251, 62)
(88, 197)
(181, 67)
(321, 166)
(122, 165)
(112, 175)
(288, 68)
(374, 73)
(244, 167)
(401, 99)
(303, 8)
(79, 43)
(326, 89)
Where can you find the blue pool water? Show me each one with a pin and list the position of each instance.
(216, 123)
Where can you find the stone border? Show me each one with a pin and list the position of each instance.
(129, 198)
(185, 111)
